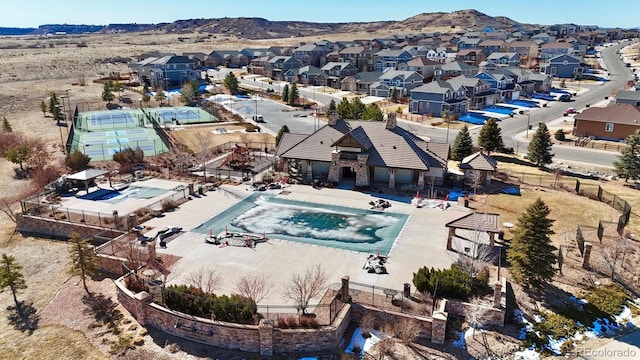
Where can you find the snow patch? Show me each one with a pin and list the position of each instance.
(364, 344)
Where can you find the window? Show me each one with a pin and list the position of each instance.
(566, 62)
(426, 105)
(608, 127)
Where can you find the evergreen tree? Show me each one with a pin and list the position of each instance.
(293, 94)
(145, 89)
(372, 112)
(6, 126)
(83, 259)
(160, 96)
(11, 277)
(539, 151)
(531, 255)
(490, 137)
(285, 93)
(344, 109)
(357, 108)
(462, 145)
(107, 92)
(332, 106)
(77, 161)
(53, 102)
(283, 129)
(628, 164)
(231, 83)
(146, 98)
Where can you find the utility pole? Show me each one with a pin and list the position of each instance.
(528, 119)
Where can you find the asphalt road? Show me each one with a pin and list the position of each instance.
(301, 121)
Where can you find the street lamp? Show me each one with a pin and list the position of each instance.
(528, 119)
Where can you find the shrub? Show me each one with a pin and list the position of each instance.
(308, 322)
(609, 299)
(559, 135)
(483, 275)
(450, 282)
(77, 161)
(251, 128)
(193, 301)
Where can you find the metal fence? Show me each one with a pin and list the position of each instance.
(47, 206)
(388, 299)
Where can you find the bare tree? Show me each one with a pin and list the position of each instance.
(366, 324)
(385, 348)
(475, 314)
(206, 279)
(253, 286)
(246, 139)
(302, 288)
(613, 255)
(204, 139)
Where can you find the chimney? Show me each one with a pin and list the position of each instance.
(333, 118)
(391, 121)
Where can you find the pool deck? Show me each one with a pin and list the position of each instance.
(421, 242)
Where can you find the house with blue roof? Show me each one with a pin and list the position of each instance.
(438, 98)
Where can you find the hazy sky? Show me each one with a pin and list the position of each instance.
(31, 13)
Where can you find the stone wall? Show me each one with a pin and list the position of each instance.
(43, 227)
(492, 314)
(385, 317)
(263, 339)
(110, 264)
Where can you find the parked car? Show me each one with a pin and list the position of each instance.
(258, 119)
(571, 111)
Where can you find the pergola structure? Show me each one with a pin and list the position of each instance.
(481, 222)
(85, 176)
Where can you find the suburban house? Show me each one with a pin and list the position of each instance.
(522, 79)
(478, 168)
(542, 82)
(358, 56)
(615, 122)
(334, 72)
(308, 75)
(259, 65)
(550, 50)
(438, 98)
(310, 54)
(631, 97)
(503, 85)
(421, 65)
(471, 57)
(493, 46)
(528, 51)
(478, 91)
(466, 42)
(502, 59)
(390, 59)
(253, 53)
(200, 60)
(439, 55)
(453, 69)
(543, 37)
(278, 65)
(229, 58)
(367, 153)
(562, 66)
(395, 80)
(360, 82)
(167, 72)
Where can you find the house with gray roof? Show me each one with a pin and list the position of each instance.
(631, 97)
(229, 58)
(503, 59)
(360, 82)
(478, 91)
(366, 152)
(277, 66)
(167, 72)
(438, 98)
(310, 54)
(421, 65)
(334, 72)
(358, 56)
(454, 68)
(395, 80)
(478, 168)
(389, 59)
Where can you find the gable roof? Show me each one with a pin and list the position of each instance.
(479, 161)
(287, 141)
(485, 222)
(467, 81)
(434, 87)
(498, 55)
(421, 61)
(628, 95)
(616, 113)
(397, 147)
(457, 66)
(390, 74)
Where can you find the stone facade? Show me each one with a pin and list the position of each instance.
(493, 314)
(359, 166)
(263, 338)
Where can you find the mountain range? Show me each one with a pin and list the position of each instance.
(259, 28)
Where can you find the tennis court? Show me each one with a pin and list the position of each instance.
(181, 115)
(110, 119)
(101, 145)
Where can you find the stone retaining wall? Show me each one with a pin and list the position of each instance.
(493, 315)
(51, 228)
(263, 338)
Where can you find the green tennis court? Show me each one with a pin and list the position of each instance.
(110, 119)
(181, 115)
(101, 145)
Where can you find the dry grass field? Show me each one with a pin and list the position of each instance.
(29, 73)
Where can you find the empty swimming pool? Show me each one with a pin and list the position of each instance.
(334, 226)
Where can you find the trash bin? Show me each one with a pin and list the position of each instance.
(406, 291)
